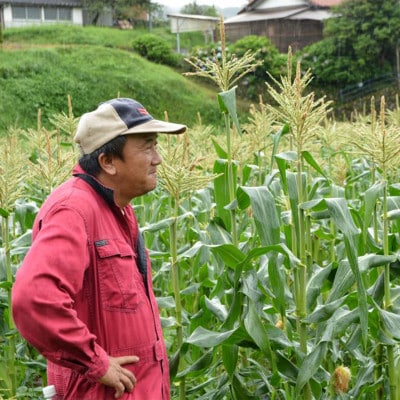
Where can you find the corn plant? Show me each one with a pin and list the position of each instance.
(380, 143)
(179, 175)
(18, 206)
(225, 73)
(294, 236)
(11, 189)
(274, 246)
(304, 115)
(51, 154)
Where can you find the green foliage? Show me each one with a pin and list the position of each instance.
(34, 78)
(266, 55)
(135, 11)
(272, 63)
(68, 35)
(265, 50)
(326, 67)
(197, 9)
(95, 8)
(156, 49)
(91, 35)
(359, 43)
(271, 278)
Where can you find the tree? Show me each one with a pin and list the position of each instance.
(360, 42)
(118, 7)
(95, 8)
(136, 10)
(196, 9)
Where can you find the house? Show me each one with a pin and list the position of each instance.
(19, 13)
(295, 23)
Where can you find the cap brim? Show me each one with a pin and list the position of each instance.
(156, 126)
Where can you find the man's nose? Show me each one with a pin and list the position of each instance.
(157, 159)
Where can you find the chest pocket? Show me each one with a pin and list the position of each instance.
(121, 284)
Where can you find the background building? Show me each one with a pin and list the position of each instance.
(295, 23)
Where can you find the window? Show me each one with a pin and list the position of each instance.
(65, 14)
(50, 14)
(18, 12)
(35, 13)
(21, 12)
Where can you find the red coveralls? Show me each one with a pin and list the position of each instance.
(79, 295)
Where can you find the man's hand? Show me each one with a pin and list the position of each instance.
(119, 378)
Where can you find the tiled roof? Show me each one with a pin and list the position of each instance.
(325, 3)
(70, 3)
(298, 14)
(252, 4)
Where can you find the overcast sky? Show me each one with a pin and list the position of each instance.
(216, 3)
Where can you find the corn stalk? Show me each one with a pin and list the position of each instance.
(11, 176)
(179, 176)
(225, 74)
(304, 115)
(379, 143)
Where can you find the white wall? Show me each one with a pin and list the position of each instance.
(190, 25)
(7, 17)
(10, 23)
(77, 17)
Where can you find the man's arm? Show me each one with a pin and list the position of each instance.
(47, 284)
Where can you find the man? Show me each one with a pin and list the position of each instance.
(83, 296)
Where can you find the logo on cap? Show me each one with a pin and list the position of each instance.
(142, 111)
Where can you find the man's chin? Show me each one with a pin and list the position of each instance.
(151, 187)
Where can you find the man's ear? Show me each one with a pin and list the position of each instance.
(106, 163)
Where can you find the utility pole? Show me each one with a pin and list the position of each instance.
(150, 21)
(1, 25)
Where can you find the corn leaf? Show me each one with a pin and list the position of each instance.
(343, 220)
(227, 104)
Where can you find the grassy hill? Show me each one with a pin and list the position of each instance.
(41, 66)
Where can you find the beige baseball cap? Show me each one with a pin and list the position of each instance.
(116, 117)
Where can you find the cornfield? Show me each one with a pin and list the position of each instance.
(274, 247)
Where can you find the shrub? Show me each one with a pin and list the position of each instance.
(155, 49)
(330, 67)
(273, 63)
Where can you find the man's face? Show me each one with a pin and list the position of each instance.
(137, 172)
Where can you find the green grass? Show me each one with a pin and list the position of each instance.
(107, 37)
(67, 34)
(41, 66)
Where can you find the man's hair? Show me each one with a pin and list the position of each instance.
(90, 162)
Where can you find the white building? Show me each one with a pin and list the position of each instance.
(193, 23)
(294, 23)
(18, 13)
